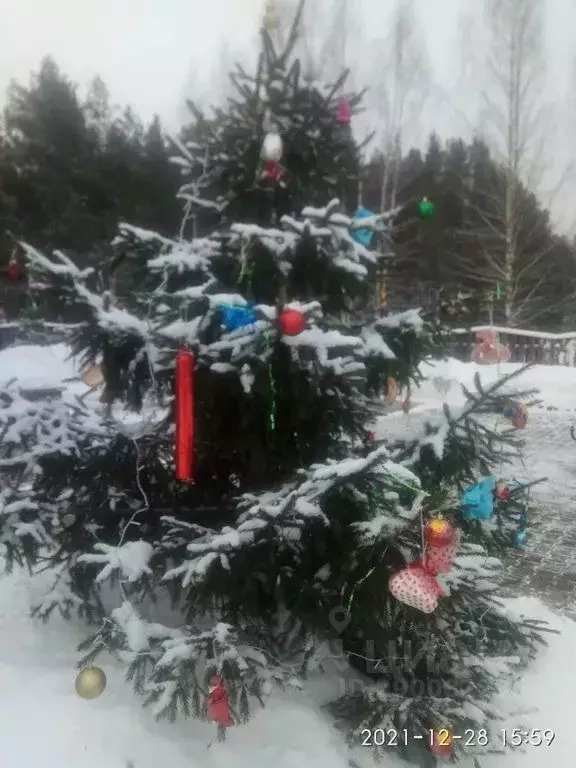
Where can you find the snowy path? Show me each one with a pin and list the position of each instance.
(546, 567)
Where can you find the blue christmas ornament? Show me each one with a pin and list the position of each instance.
(477, 501)
(510, 411)
(363, 236)
(520, 538)
(233, 318)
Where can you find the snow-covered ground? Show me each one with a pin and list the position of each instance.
(43, 722)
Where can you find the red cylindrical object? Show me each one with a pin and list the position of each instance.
(439, 533)
(185, 364)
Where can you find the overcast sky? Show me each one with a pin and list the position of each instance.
(154, 53)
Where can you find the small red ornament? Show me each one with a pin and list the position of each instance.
(274, 171)
(185, 364)
(218, 706)
(502, 491)
(439, 533)
(442, 743)
(292, 322)
(371, 437)
(15, 271)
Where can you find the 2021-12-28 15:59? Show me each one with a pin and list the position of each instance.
(508, 737)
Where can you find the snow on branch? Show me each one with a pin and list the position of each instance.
(284, 512)
(410, 320)
(127, 232)
(276, 240)
(31, 429)
(169, 665)
(131, 560)
(191, 256)
(109, 317)
(65, 267)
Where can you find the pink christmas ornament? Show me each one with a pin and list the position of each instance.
(344, 114)
(417, 587)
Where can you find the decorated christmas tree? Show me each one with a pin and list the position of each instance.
(226, 461)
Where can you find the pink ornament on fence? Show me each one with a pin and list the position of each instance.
(488, 350)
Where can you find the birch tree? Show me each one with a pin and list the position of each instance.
(328, 36)
(514, 253)
(400, 92)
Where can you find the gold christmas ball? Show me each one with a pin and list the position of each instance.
(93, 376)
(90, 683)
(391, 390)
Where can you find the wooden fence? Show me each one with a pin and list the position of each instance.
(525, 346)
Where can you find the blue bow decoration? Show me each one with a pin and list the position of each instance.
(233, 318)
(363, 236)
(477, 501)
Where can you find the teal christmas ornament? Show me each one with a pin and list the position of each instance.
(520, 538)
(363, 236)
(477, 501)
(234, 318)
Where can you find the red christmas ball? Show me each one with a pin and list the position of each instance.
(15, 271)
(439, 533)
(441, 743)
(371, 437)
(292, 322)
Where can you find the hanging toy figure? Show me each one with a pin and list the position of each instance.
(344, 113)
(273, 171)
(218, 705)
(185, 364)
(516, 414)
(14, 269)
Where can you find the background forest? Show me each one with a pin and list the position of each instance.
(72, 166)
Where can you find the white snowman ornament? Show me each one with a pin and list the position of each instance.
(272, 147)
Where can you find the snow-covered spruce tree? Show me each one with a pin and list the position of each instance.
(294, 518)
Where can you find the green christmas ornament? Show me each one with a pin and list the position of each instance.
(426, 208)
